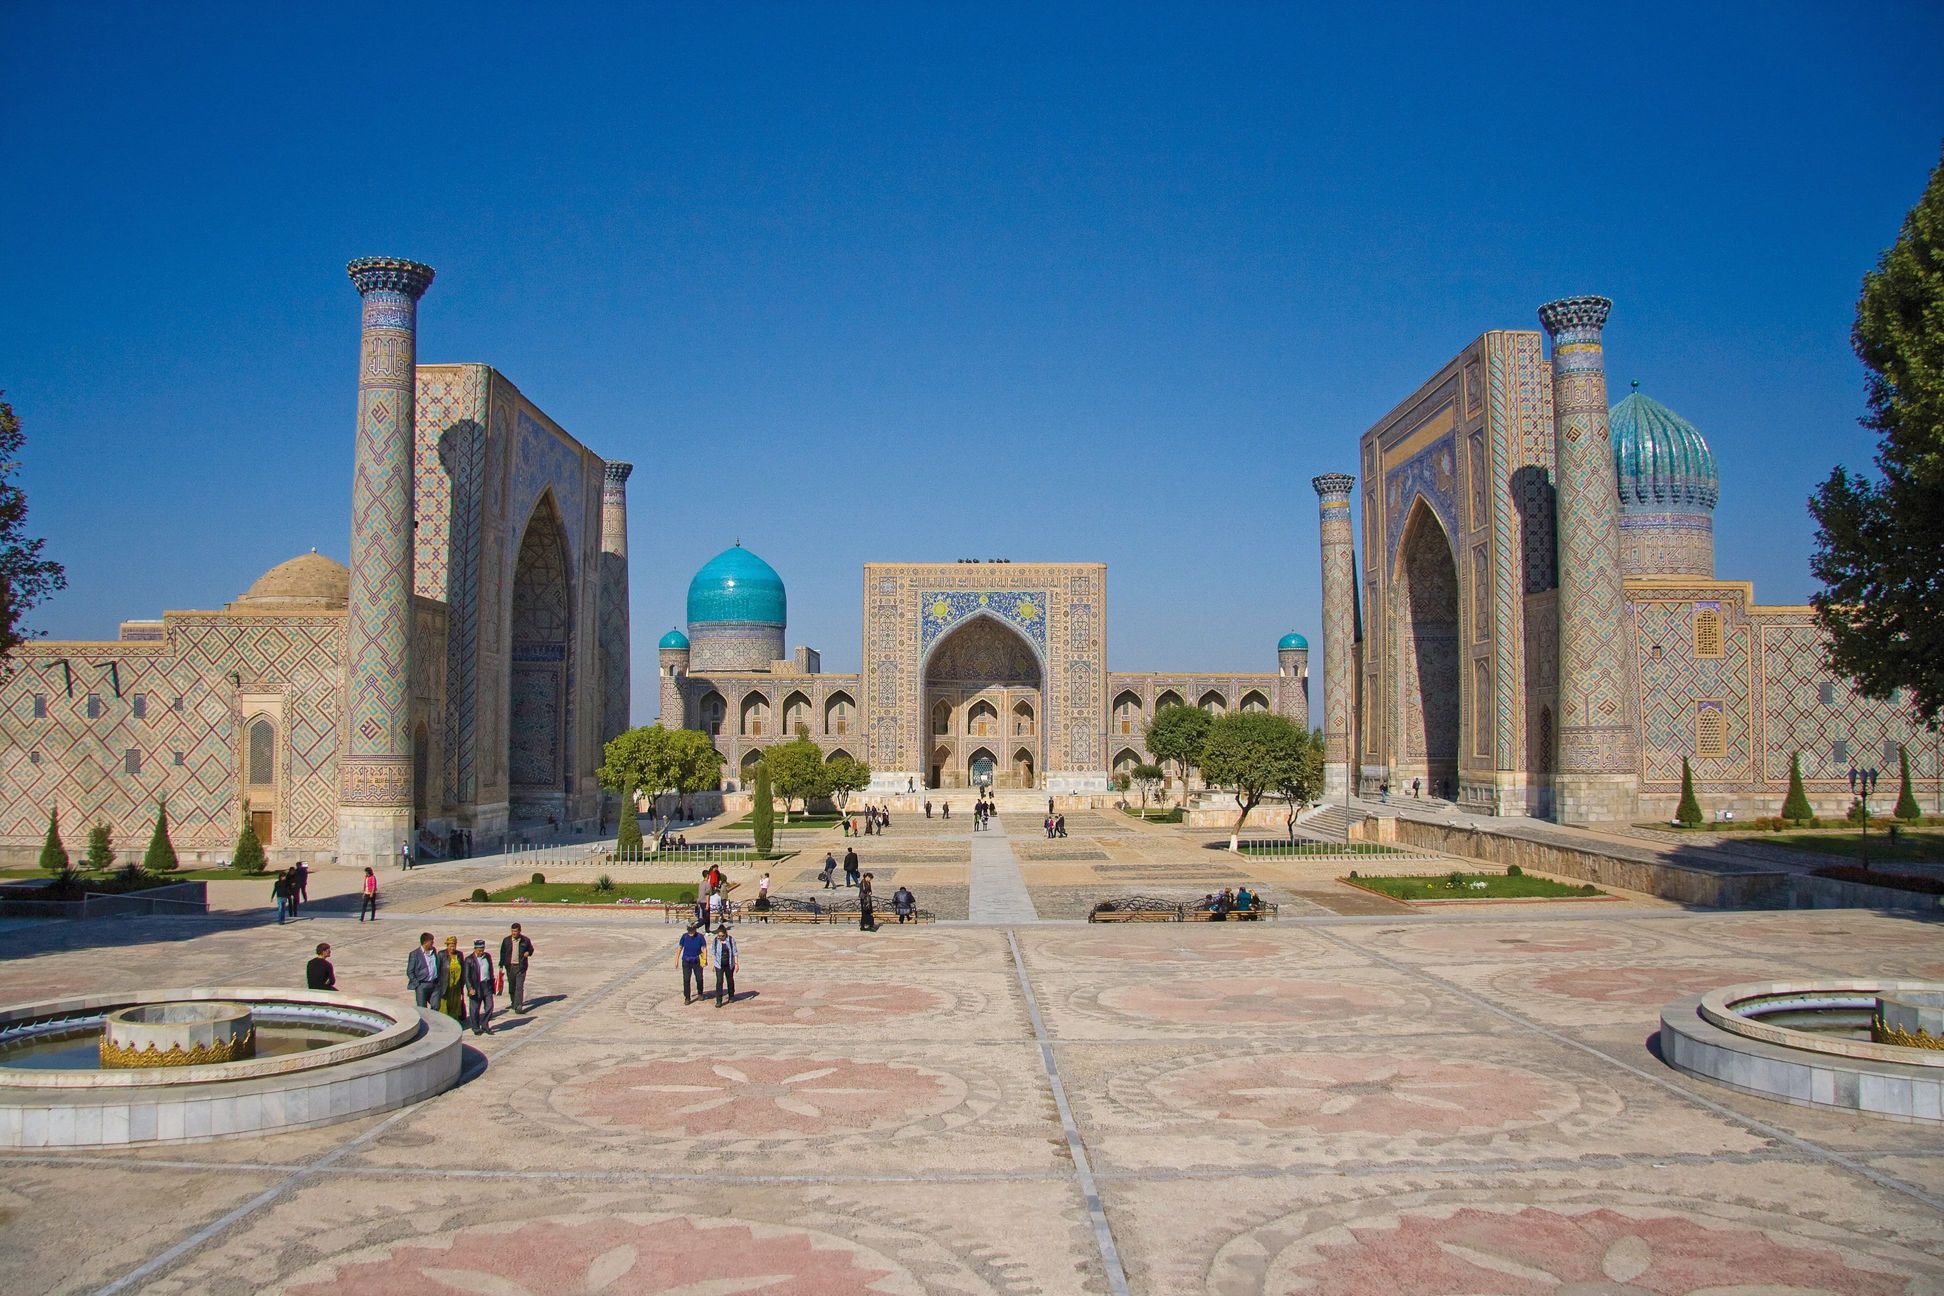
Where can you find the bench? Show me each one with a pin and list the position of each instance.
(1255, 913)
(1134, 915)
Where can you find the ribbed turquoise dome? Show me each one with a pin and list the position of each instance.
(737, 586)
(1660, 460)
(1291, 640)
(674, 639)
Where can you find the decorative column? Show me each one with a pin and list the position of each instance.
(614, 599)
(1597, 776)
(375, 764)
(1339, 629)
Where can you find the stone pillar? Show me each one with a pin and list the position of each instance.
(375, 764)
(615, 685)
(1339, 629)
(1597, 774)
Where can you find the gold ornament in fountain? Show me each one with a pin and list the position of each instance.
(177, 1035)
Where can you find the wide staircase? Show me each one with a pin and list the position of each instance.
(1330, 823)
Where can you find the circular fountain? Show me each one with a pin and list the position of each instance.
(1873, 1047)
(204, 1063)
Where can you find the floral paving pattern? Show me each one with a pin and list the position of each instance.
(620, 1255)
(760, 1096)
(1630, 984)
(1116, 947)
(829, 1004)
(1246, 1001)
(1531, 941)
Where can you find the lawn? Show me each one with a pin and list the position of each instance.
(180, 875)
(1498, 886)
(584, 892)
(1154, 814)
(1914, 846)
(796, 821)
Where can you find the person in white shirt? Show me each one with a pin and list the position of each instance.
(722, 953)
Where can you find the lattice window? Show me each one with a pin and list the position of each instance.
(1826, 693)
(1481, 575)
(1707, 632)
(94, 706)
(132, 761)
(1839, 752)
(262, 767)
(1482, 707)
(40, 706)
(1710, 731)
(139, 703)
(1889, 753)
(178, 758)
(1476, 461)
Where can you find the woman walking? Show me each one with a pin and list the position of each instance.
(368, 903)
(452, 981)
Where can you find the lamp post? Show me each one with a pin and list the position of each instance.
(1862, 783)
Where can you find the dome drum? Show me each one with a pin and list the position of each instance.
(1668, 486)
(307, 583)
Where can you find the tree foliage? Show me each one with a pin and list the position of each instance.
(161, 855)
(797, 771)
(1796, 805)
(627, 832)
(640, 760)
(101, 848)
(847, 774)
(1176, 735)
(1907, 807)
(1688, 812)
(54, 856)
(248, 856)
(26, 577)
(1147, 776)
(1253, 752)
(762, 810)
(1880, 543)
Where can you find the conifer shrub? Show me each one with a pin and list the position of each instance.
(54, 856)
(101, 848)
(1907, 807)
(1688, 813)
(1795, 806)
(627, 843)
(248, 856)
(161, 856)
(762, 814)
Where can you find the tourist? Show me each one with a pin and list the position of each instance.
(903, 903)
(368, 901)
(850, 866)
(1048, 825)
(693, 951)
(829, 874)
(480, 987)
(843, 826)
(452, 981)
(927, 807)
(404, 855)
(866, 920)
(762, 891)
(1059, 825)
(716, 908)
(280, 888)
(318, 973)
(300, 885)
(722, 952)
(884, 820)
(702, 909)
(424, 973)
(516, 951)
(1417, 789)
(911, 785)
(1243, 900)
(715, 877)
(1049, 807)
(947, 808)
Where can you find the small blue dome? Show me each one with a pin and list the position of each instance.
(1291, 640)
(736, 586)
(1660, 460)
(674, 639)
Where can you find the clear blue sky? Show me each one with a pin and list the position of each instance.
(925, 282)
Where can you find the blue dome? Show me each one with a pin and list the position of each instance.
(1660, 461)
(674, 639)
(1291, 640)
(736, 586)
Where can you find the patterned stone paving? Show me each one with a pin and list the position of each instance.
(1455, 1104)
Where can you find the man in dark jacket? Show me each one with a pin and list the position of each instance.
(479, 989)
(515, 952)
(318, 973)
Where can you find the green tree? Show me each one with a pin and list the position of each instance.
(1303, 782)
(101, 848)
(1176, 734)
(54, 856)
(762, 810)
(698, 765)
(1907, 808)
(248, 856)
(1689, 811)
(847, 774)
(639, 762)
(161, 855)
(1250, 752)
(1796, 805)
(1146, 776)
(1880, 543)
(26, 578)
(627, 833)
(797, 772)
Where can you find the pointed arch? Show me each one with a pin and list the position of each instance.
(539, 714)
(796, 711)
(714, 709)
(752, 714)
(1431, 688)
(1126, 712)
(1023, 768)
(840, 713)
(1212, 701)
(1125, 760)
(1168, 698)
(1253, 700)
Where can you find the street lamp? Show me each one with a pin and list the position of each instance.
(1862, 783)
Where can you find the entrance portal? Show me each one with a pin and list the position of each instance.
(1428, 678)
(537, 717)
(980, 679)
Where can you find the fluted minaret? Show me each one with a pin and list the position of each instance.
(614, 599)
(375, 765)
(1339, 628)
(1598, 774)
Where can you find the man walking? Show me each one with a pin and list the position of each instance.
(404, 855)
(866, 920)
(722, 952)
(280, 888)
(318, 973)
(300, 890)
(693, 945)
(425, 973)
(515, 951)
(829, 874)
(850, 866)
(479, 988)
(368, 900)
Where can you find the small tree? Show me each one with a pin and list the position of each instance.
(698, 765)
(1796, 806)
(627, 834)
(1146, 776)
(639, 762)
(1250, 752)
(797, 771)
(1907, 808)
(161, 856)
(101, 848)
(1688, 812)
(847, 774)
(762, 813)
(1302, 783)
(248, 856)
(54, 856)
(1176, 735)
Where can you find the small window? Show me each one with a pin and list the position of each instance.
(132, 761)
(1889, 753)
(1710, 731)
(33, 758)
(139, 703)
(176, 758)
(1827, 693)
(40, 706)
(262, 754)
(1839, 752)
(94, 706)
(1707, 633)
(178, 704)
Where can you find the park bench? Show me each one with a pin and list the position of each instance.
(1262, 911)
(788, 910)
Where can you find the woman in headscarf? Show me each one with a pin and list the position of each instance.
(452, 992)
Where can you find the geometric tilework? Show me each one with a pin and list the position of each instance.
(450, 463)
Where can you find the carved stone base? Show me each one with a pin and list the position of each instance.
(1596, 798)
(369, 836)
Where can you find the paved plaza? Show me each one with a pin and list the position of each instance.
(1400, 1102)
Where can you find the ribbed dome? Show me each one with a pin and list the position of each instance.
(674, 639)
(307, 581)
(1660, 460)
(737, 586)
(1291, 640)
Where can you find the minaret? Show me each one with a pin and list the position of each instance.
(1339, 628)
(673, 658)
(614, 599)
(1292, 665)
(375, 764)
(1598, 776)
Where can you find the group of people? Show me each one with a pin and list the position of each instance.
(871, 819)
(828, 875)
(982, 812)
(290, 888)
(463, 986)
(1244, 904)
(1055, 825)
(946, 807)
(699, 952)
(712, 899)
